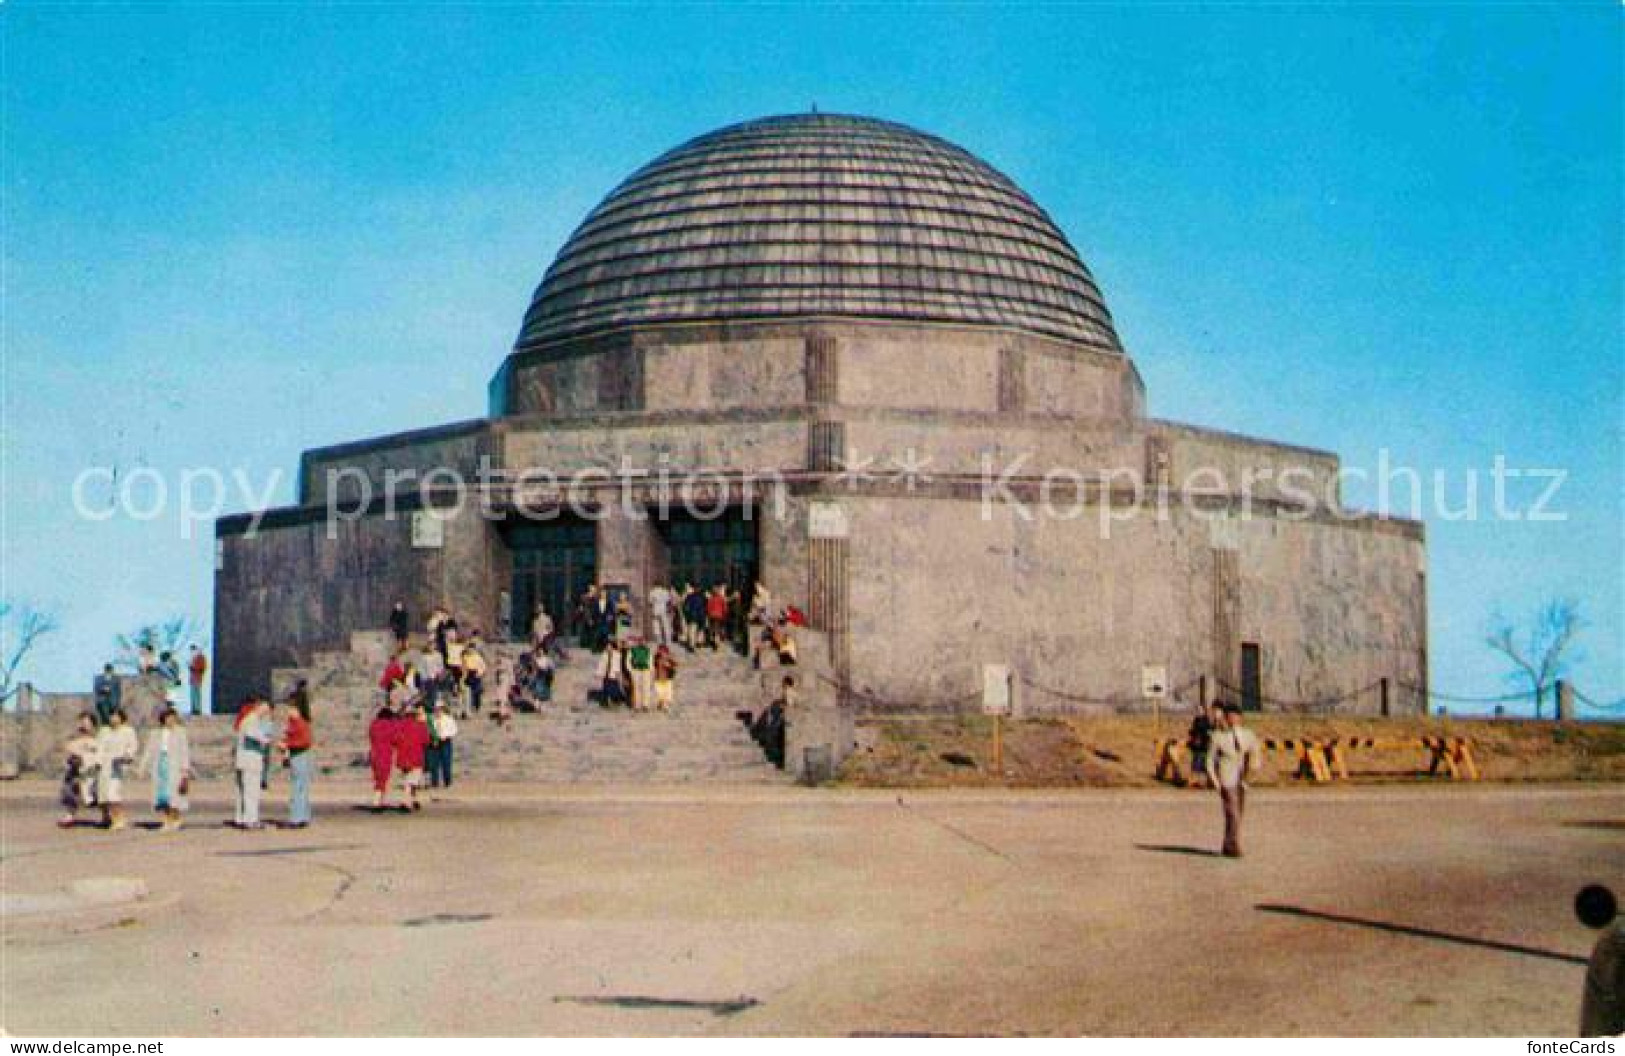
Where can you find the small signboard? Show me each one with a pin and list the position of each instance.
(998, 691)
(428, 530)
(1154, 682)
(827, 520)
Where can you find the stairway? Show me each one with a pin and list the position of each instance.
(572, 740)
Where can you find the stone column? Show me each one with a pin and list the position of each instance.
(628, 542)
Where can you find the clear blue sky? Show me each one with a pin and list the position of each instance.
(234, 232)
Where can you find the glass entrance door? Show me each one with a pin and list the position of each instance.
(708, 552)
(553, 563)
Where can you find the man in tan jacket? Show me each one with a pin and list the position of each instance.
(1232, 756)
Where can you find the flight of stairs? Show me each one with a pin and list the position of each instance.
(572, 740)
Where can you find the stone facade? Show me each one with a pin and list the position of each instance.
(1052, 527)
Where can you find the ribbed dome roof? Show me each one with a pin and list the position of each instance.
(818, 214)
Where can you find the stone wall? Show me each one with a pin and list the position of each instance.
(361, 468)
(290, 589)
(937, 591)
(1210, 459)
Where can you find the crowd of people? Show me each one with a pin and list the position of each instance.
(101, 758)
(426, 687)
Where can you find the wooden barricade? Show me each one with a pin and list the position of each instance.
(1453, 754)
(1309, 755)
(1322, 761)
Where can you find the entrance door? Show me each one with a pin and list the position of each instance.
(1252, 678)
(553, 563)
(708, 552)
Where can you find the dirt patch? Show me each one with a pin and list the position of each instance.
(1117, 751)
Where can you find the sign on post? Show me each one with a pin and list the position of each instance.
(1154, 682)
(998, 697)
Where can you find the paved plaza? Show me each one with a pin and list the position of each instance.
(1390, 911)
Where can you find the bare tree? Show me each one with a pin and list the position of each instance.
(21, 627)
(1541, 654)
(166, 636)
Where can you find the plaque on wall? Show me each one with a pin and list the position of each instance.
(428, 530)
(827, 520)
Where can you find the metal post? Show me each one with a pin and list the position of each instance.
(1384, 685)
(1201, 691)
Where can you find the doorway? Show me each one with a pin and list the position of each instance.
(1252, 677)
(706, 552)
(554, 563)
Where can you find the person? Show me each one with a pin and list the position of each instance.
(665, 671)
(716, 616)
(596, 615)
(448, 637)
(1602, 1001)
(738, 622)
(169, 669)
(145, 659)
(381, 742)
(1232, 756)
(252, 745)
(116, 748)
(298, 738)
(400, 623)
(437, 620)
(771, 725)
(79, 771)
(505, 619)
(660, 613)
(693, 617)
(443, 726)
(455, 683)
(106, 693)
(196, 667)
(411, 744)
(761, 603)
(541, 680)
(394, 672)
(544, 635)
(1199, 739)
(612, 685)
(474, 670)
(640, 661)
(167, 759)
(299, 699)
(431, 676)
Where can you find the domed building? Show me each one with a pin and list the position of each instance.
(857, 363)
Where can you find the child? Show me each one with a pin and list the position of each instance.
(79, 773)
(665, 678)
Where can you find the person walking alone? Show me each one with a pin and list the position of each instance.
(1232, 756)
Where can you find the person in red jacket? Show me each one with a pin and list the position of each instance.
(716, 616)
(394, 672)
(411, 745)
(381, 736)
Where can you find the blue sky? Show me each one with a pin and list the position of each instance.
(234, 232)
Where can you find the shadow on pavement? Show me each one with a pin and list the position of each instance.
(1420, 933)
(1174, 848)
